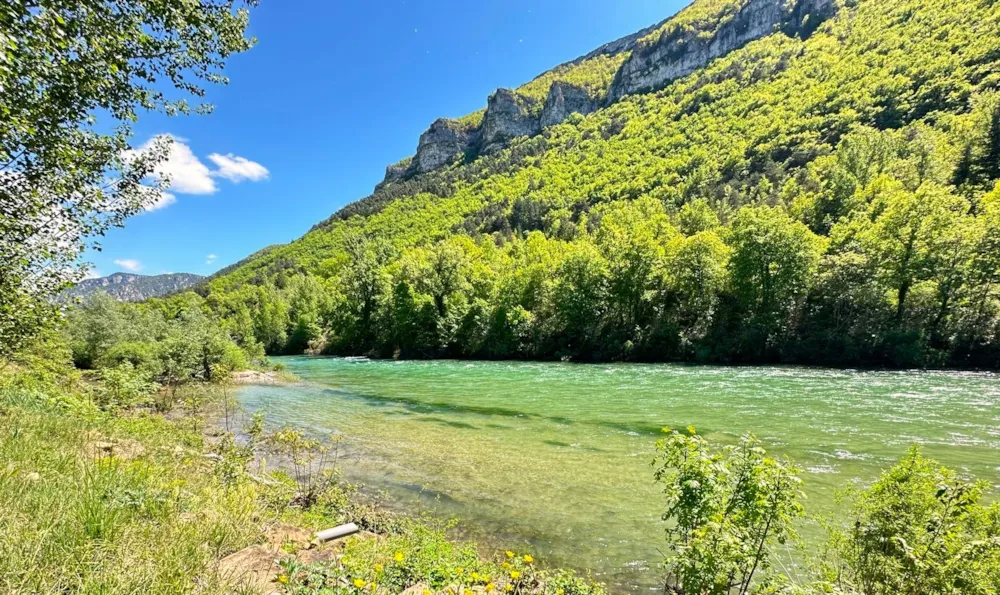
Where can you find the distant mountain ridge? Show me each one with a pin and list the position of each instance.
(129, 287)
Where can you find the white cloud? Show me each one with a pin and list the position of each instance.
(236, 169)
(92, 273)
(187, 174)
(210, 258)
(163, 199)
(129, 264)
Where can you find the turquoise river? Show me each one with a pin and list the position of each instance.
(555, 458)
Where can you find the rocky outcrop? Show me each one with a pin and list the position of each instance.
(563, 100)
(440, 145)
(684, 50)
(508, 116)
(395, 172)
(129, 287)
(808, 15)
(678, 52)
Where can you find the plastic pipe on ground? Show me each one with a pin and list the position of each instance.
(337, 532)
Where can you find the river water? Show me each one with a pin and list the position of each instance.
(555, 458)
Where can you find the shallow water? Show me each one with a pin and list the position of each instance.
(555, 458)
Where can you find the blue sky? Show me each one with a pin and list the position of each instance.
(335, 91)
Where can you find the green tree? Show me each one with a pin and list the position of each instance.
(75, 75)
(271, 319)
(632, 239)
(309, 304)
(907, 236)
(696, 273)
(366, 284)
(773, 262)
(579, 297)
(697, 216)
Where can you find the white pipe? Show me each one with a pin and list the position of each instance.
(337, 532)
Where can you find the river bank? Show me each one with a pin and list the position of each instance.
(146, 500)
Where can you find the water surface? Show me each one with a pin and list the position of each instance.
(555, 458)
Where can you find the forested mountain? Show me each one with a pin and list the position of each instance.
(803, 181)
(128, 287)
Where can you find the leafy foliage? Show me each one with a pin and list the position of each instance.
(170, 342)
(728, 509)
(920, 529)
(65, 176)
(823, 200)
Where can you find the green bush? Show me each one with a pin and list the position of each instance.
(919, 529)
(143, 357)
(727, 508)
(124, 387)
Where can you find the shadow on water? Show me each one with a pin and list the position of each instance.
(430, 407)
(561, 444)
(453, 424)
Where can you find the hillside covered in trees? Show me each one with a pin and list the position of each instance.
(825, 193)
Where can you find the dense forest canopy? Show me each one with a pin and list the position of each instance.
(830, 199)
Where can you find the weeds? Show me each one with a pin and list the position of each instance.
(314, 462)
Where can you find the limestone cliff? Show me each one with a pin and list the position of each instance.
(679, 51)
(441, 144)
(565, 99)
(656, 56)
(508, 116)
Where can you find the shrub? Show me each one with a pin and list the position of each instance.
(142, 356)
(919, 529)
(726, 509)
(123, 387)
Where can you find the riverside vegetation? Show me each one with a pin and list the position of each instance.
(820, 194)
(110, 483)
(99, 475)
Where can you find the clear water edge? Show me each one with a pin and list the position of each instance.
(554, 457)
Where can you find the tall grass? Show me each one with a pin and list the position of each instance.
(154, 521)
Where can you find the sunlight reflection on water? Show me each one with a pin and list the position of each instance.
(555, 457)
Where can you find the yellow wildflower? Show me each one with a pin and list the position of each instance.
(510, 554)
(468, 592)
(427, 592)
(475, 576)
(283, 579)
(490, 587)
(378, 568)
(514, 574)
(358, 583)
(505, 565)
(528, 559)
(508, 587)
(460, 570)
(399, 556)
(559, 592)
